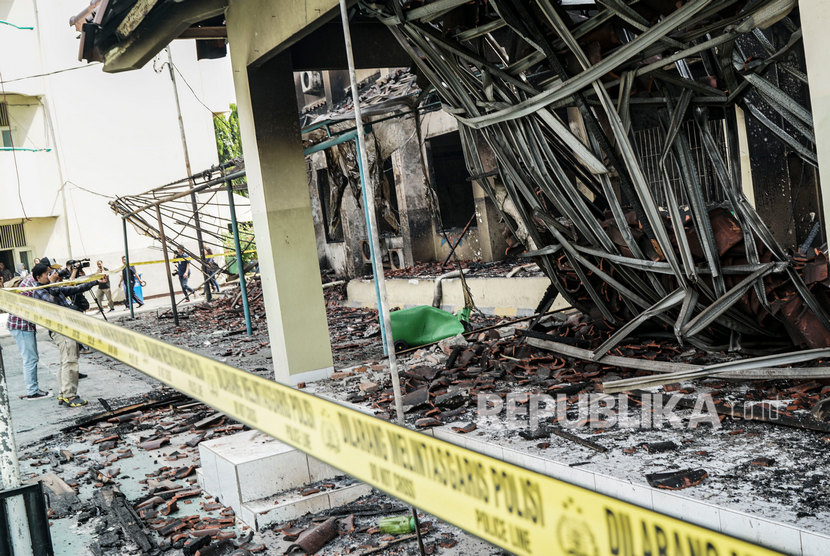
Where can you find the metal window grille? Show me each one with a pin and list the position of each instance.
(11, 236)
(4, 115)
(649, 144)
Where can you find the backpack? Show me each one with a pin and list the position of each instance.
(80, 302)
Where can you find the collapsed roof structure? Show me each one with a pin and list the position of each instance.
(702, 264)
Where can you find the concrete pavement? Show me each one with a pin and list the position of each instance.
(37, 419)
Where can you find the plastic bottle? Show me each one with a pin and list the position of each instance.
(396, 525)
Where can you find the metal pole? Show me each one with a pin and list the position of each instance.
(167, 267)
(18, 522)
(240, 264)
(187, 167)
(371, 224)
(372, 254)
(126, 272)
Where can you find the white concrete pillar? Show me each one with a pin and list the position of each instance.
(815, 21)
(283, 223)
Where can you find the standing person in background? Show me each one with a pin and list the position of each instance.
(213, 269)
(5, 273)
(183, 270)
(104, 287)
(21, 270)
(59, 295)
(25, 336)
(128, 278)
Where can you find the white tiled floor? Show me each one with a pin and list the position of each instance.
(778, 536)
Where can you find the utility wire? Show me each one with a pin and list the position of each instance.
(72, 183)
(191, 88)
(49, 73)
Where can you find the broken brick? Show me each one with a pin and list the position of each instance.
(154, 444)
(470, 427)
(428, 422)
(677, 480)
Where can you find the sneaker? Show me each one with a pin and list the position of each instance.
(85, 351)
(39, 395)
(77, 401)
(111, 310)
(82, 375)
(61, 400)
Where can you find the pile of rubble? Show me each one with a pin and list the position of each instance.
(626, 232)
(134, 468)
(441, 384)
(471, 269)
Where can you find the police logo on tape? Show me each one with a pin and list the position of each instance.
(573, 533)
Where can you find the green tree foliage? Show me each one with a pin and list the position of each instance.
(246, 241)
(228, 139)
(229, 146)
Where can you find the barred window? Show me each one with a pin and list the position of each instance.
(11, 236)
(5, 129)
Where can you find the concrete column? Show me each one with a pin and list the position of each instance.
(815, 19)
(283, 222)
(490, 240)
(354, 232)
(413, 197)
(488, 216)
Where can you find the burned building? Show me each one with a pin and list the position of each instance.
(658, 159)
(427, 204)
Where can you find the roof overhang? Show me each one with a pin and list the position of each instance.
(145, 29)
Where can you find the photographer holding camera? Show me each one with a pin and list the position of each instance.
(73, 269)
(59, 295)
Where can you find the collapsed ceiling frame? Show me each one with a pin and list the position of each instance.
(713, 276)
(177, 217)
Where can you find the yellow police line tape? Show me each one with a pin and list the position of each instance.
(231, 253)
(516, 509)
(99, 275)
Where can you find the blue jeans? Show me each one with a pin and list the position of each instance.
(185, 287)
(27, 346)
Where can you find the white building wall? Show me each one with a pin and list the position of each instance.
(109, 134)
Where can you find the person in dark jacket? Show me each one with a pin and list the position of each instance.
(128, 278)
(183, 270)
(67, 378)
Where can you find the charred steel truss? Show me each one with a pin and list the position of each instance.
(176, 209)
(550, 93)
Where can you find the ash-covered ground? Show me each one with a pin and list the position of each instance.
(122, 470)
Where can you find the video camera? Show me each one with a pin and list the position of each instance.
(65, 272)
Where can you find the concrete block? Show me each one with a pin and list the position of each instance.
(269, 475)
(227, 488)
(289, 506)
(814, 544)
(250, 466)
(341, 496)
(319, 471)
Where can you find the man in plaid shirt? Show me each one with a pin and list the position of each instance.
(24, 333)
(59, 295)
